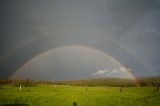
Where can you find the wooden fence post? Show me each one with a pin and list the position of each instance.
(158, 87)
(20, 88)
(121, 87)
(86, 88)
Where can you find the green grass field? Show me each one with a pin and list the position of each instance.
(63, 95)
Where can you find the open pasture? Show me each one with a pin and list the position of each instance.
(65, 95)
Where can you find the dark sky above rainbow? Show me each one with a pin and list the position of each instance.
(79, 39)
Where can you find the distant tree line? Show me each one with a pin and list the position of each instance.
(116, 82)
(18, 82)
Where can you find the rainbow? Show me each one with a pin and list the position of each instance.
(131, 75)
(147, 67)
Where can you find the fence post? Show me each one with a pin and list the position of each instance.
(20, 88)
(158, 87)
(86, 87)
(121, 87)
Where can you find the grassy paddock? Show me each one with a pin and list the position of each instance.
(64, 95)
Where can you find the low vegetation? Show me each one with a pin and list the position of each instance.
(65, 95)
(96, 92)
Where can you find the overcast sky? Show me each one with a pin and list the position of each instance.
(88, 32)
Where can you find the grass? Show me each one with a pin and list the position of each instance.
(64, 95)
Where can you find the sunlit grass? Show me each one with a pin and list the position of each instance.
(46, 95)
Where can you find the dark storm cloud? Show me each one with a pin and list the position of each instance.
(29, 28)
